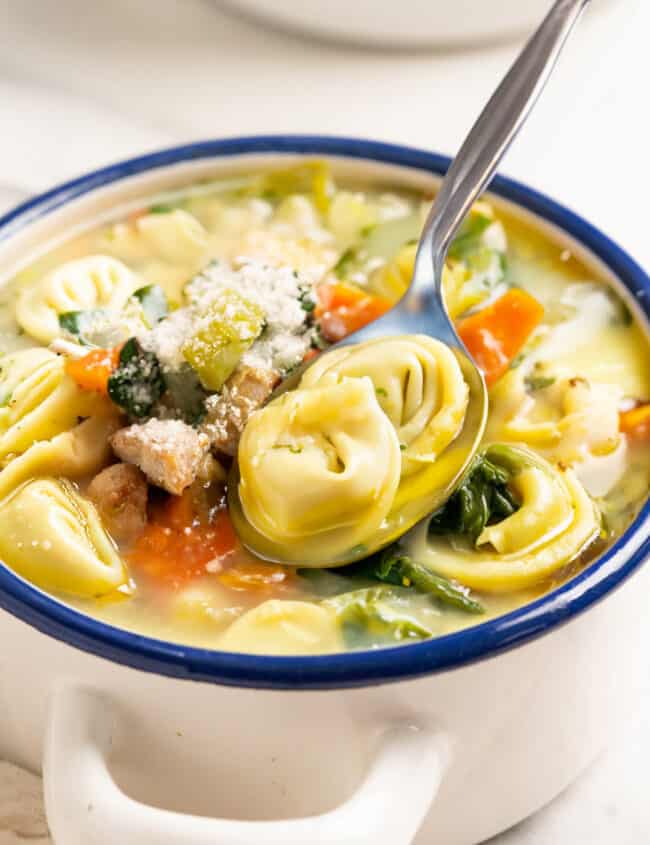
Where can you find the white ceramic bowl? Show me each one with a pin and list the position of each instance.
(446, 741)
(409, 23)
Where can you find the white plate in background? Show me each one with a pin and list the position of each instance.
(407, 23)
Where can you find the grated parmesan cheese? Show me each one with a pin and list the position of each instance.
(275, 290)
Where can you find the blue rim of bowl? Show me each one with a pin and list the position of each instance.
(351, 669)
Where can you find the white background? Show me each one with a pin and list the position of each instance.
(84, 83)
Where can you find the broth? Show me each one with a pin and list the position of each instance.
(567, 394)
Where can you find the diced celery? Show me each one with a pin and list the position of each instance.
(227, 330)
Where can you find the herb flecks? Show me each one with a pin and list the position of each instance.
(294, 448)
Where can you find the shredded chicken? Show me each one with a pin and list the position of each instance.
(247, 389)
(120, 495)
(170, 453)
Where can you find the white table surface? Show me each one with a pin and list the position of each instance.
(82, 84)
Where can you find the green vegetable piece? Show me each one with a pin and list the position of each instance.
(386, 239)
(482, 499)
(138, 382)
(230, 327)
(534, 382)
(399, 569)
(468, 241)
(161, 208)
(80, 323)
(186, 394)
(371, 613)
(345, 263)
(153, 302)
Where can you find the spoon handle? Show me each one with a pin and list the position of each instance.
(492, 134)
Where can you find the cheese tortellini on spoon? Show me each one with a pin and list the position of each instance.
(325, 467)
(97, 281)
(555, 522)
(419, 386)
(53, 537)
(319, 469)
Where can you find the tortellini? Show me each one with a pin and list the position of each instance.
(285, 627)
(78, 453)
(319, 469)
(568, 419)
(52, 536)
(556, 521)
(473, 272)
(97, 281)
(39, 400)
(175, 236)
(419, 386)
(367, 434)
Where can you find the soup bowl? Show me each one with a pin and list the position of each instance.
(447, 740)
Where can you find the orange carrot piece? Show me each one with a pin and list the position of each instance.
(494, 335)
(93, 370)
(343, 309)
(636, 422)
(181, 539)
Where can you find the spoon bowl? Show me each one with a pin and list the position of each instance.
(422, 310)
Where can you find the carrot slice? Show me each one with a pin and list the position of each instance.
(636, 422)
(344, 308)
(494, 335)
(93, 370)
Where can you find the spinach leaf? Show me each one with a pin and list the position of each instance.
(81, 323)
(138, 382)
(482, 499)
(371, 612)
(153, 302)
(395, 568)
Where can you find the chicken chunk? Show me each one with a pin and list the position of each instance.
(120, 494)
(169, 452)
(247, 389)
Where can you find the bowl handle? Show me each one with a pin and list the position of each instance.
(85, 807)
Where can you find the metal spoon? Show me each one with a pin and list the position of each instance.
(422, 309)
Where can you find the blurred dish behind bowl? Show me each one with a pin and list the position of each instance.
(413, 23)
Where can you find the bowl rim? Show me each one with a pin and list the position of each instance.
(348, 669)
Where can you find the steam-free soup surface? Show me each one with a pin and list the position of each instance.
(135, 357)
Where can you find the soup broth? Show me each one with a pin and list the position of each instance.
(134, 355)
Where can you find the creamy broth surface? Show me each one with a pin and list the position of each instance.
(220, 290)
